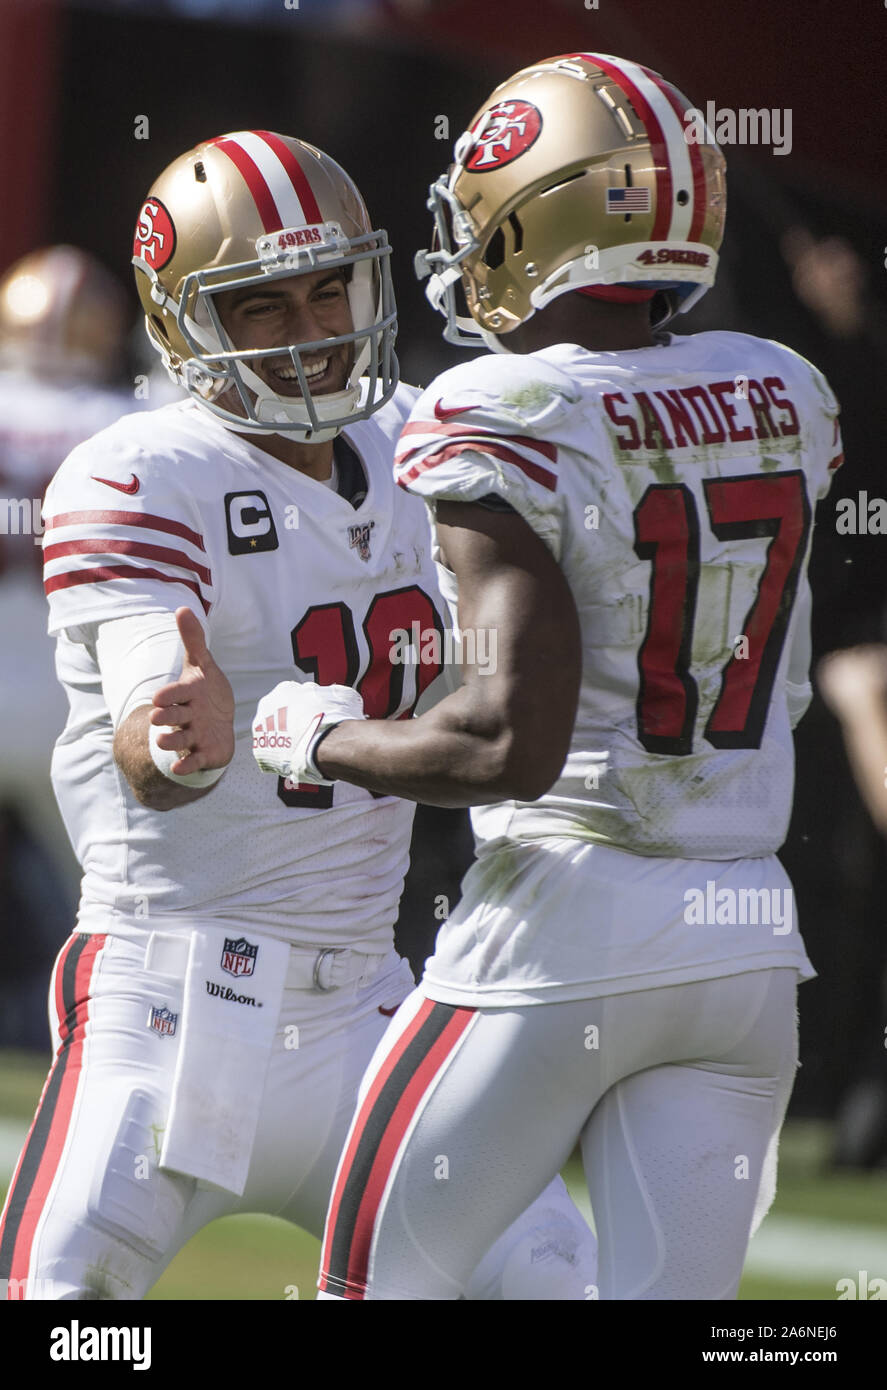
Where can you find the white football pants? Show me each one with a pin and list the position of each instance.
(676, 1095)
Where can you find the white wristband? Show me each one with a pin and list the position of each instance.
(163, 761)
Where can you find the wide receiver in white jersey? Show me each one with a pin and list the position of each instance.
(233, 965)
(621, 970)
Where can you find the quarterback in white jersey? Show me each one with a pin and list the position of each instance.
(233, 965)
(288, 573)
(630, 513)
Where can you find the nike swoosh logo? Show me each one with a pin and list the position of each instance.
(389, 1013)
(443, 412)
(121, 487)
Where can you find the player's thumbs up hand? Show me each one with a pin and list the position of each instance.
(196, 712)
(193, 639)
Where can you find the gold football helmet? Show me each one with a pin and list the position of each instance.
(62, 315)
(245, 209)
(580, 171)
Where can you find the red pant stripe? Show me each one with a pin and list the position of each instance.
(45, 1144)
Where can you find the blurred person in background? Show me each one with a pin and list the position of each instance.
(836, 852)
(853, 684)
(63, 321)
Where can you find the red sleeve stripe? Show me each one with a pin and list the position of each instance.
(98, 574)
(541, 446)
(533, 470)
(115, 546)
(480, 442)
(836, 463)
(146, 519)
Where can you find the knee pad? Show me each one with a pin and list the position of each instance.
(131, 1197)
(549, 1254)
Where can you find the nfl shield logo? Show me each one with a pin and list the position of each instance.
(239, 956)
(163, 1021)
(359, 536)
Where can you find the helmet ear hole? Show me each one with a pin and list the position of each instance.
(160, 327)
(494, 254)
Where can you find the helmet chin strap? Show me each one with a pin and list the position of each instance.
(306, 435)
(269, 407)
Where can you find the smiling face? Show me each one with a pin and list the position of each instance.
(296, 309)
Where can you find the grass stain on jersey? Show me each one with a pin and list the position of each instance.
(533, 397)
(157, 1133)
(660, 463)
(101, 1283)
(662, 467)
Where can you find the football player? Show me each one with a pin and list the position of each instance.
(629, 512)
(63, 321)
(232, 968)
(853, 683)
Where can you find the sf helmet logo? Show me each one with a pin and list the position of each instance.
(510, 129)
(155, 236)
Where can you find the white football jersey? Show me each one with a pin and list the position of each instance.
(293, 580)
(40, 423)
(675, 485)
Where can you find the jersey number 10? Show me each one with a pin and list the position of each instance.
(325, 648)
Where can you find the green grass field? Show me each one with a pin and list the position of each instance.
(822, 1226)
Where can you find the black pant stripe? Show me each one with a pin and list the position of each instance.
(374, 1128)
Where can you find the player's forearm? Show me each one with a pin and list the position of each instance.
(864, 726)
(453, 756)
(148, 784)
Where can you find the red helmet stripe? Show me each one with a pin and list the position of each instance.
(297, 176)
(674, 100)
(658, 146)
(255, 182)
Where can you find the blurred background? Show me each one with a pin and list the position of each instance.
(98, 96)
